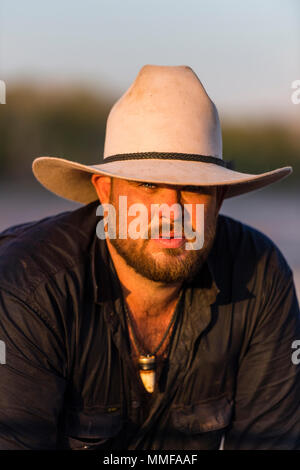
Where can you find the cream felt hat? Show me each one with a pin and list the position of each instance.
(164, 129)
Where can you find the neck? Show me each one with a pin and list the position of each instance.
(132, 283)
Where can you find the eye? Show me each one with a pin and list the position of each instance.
(148, 185)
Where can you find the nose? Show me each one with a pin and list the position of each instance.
(172, 197)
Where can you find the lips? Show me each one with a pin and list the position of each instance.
(170, 242)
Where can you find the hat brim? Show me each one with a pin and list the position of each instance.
(72, 180)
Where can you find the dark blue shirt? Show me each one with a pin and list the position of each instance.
(69, 380)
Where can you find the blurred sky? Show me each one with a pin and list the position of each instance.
(246, 53)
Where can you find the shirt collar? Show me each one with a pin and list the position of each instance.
(103, 269)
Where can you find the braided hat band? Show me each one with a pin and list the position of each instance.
(167, 156)
(164, 129)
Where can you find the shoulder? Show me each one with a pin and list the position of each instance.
(248, 263)
(244, 242)
(34, 252)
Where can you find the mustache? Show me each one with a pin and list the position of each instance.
(168, 228)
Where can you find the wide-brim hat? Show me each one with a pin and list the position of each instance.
(164, 129)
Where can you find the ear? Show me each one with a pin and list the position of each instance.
(102, 186)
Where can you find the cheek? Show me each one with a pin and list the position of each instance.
(137, 213)
(131, 215)
(200, 212)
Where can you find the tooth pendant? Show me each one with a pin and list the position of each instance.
(147, 372)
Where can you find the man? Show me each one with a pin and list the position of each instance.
(118, 339)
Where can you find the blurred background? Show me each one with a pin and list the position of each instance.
(66, 62)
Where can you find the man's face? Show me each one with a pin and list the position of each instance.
(162, 260)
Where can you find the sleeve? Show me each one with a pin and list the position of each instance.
(32, 382)
(267, 412)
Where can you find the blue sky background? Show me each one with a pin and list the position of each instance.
(246, 53)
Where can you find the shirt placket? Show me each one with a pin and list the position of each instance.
(190, 325)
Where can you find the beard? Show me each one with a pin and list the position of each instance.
(169, 265)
